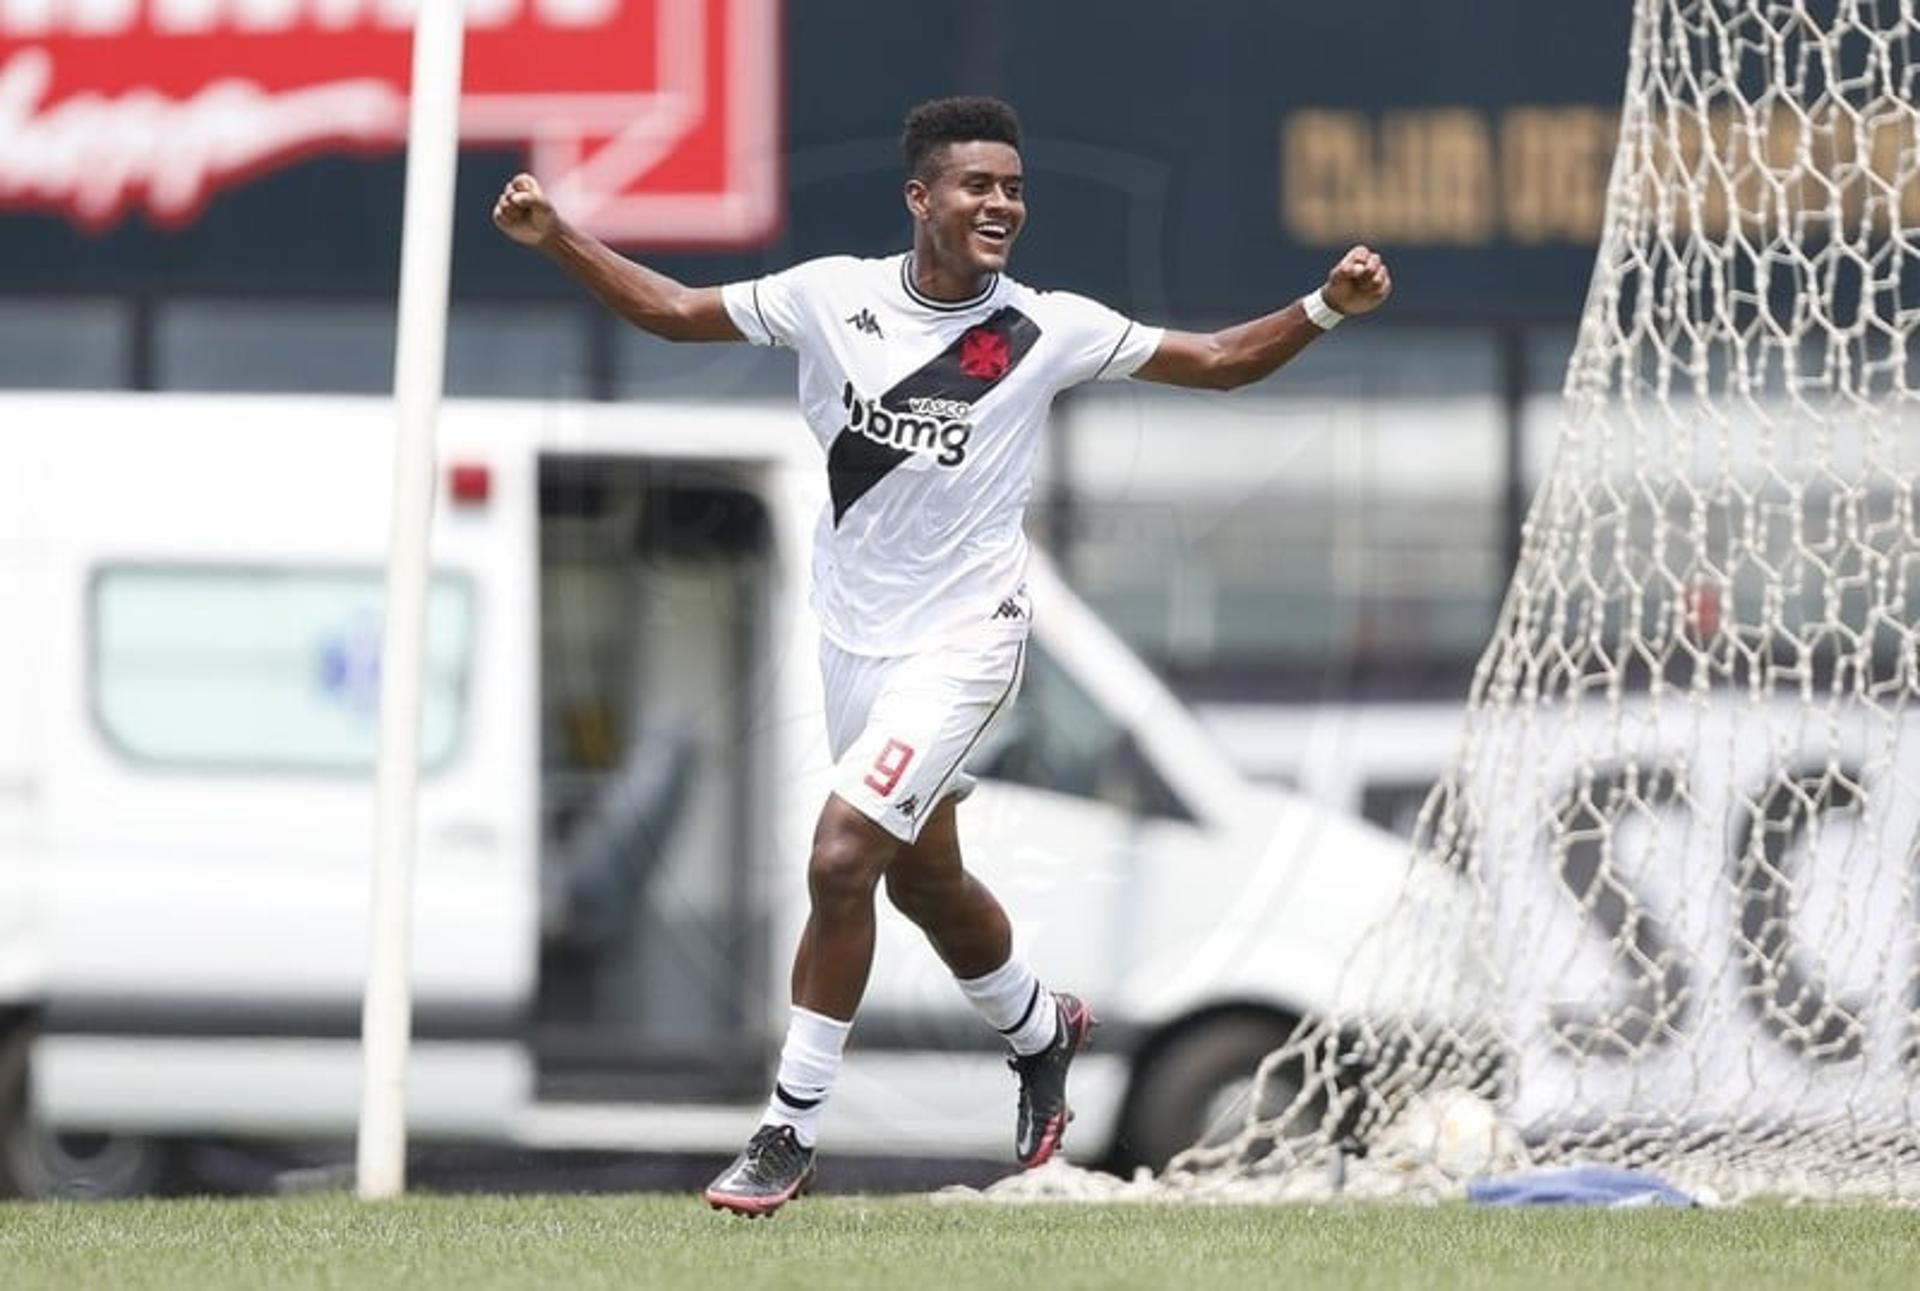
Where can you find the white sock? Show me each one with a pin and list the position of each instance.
(1014, 1003)
(809, 1061)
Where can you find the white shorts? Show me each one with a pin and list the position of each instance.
(901, 727)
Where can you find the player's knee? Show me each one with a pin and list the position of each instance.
(846, 865)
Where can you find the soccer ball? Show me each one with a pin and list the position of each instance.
(1458, 1133)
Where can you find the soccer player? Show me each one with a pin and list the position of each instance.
(927, 378)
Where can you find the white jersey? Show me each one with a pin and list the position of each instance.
(930, 412)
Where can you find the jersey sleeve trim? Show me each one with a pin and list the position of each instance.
(758, 312)
(1108, 362)
(742, 300)
(1137, 344)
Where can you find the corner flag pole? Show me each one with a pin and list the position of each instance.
(426, 244)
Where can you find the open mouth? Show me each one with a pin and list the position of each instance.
(993, 233)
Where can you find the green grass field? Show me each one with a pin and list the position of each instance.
(468, 1243)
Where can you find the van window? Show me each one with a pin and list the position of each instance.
(1057, 737)
(264, 669)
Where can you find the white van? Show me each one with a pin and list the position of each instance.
(624, 756)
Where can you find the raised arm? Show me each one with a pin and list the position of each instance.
(1240, 355)
(650, 301)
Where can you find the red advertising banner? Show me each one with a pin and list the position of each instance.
(650, 121)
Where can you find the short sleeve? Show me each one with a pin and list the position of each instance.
(771, 310)
(1102, 344)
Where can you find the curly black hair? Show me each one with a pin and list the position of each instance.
(938, 122)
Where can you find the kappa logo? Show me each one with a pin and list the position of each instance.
(928, 428)
(908, 804)
(864, 321)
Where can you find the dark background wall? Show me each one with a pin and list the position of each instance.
(1194, 163)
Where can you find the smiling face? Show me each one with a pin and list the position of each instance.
(968, 210)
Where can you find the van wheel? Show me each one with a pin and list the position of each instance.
(1197, 1089)
(37, 1163)
(84, 1167)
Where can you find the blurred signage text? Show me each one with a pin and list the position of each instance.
(652, 121)
(1532, 175)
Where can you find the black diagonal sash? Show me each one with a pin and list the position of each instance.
(856, 463)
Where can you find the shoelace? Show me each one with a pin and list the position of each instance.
(760, 1145)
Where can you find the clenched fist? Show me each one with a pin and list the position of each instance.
(524, 214)
(1359, 284)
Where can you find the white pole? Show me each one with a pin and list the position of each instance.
(426, 243)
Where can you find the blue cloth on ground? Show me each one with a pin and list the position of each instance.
(1586, 1185)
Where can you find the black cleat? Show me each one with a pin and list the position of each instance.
(1043, 1084)
(770, 1171)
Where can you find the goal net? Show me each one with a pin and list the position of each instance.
(1686, 808)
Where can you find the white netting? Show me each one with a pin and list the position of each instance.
(1685, 808)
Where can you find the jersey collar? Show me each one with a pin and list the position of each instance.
(942, 306)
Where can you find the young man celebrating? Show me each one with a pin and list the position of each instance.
(927, 378)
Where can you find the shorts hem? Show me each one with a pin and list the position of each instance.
(890, 821)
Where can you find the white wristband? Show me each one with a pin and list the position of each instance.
(1319, 312)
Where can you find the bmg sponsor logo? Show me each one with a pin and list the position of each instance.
(935, 426)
